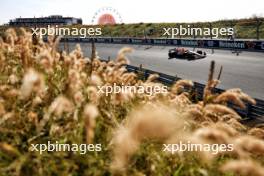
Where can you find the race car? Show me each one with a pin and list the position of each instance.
(182, 53)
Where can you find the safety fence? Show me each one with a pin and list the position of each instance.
(251, 111)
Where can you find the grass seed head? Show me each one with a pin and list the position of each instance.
(243, 167)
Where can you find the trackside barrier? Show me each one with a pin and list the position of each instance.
(243, 45)
(251, 111)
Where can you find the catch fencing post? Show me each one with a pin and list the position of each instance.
(211, 36)
(259, 22)
(193, 36)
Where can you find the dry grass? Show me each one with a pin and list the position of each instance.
(50, 96)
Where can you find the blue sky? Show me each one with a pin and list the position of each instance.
(134, 11)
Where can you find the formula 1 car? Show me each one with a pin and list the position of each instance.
(182, 53)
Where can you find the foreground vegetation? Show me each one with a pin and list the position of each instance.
(46, 95)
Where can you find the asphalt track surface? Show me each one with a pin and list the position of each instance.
(245, 71)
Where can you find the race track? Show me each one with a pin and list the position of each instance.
(245, 71)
